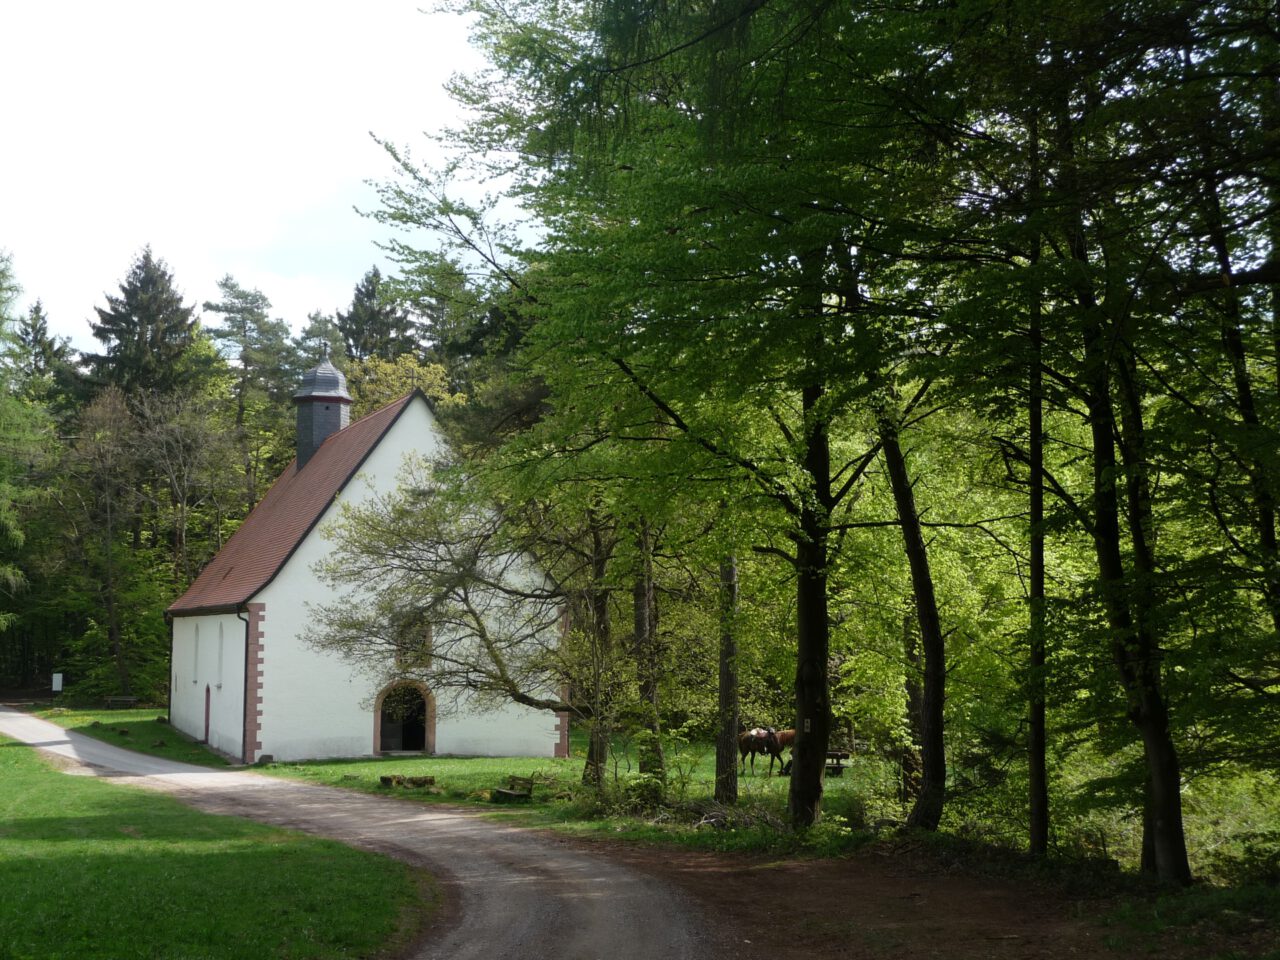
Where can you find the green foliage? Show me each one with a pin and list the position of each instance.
(98, 658)
(376, 325)
(144, 331)
(375, 382)
(23, 439)
(320, 340)
(257, 344)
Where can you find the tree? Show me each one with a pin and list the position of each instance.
(451, 598)
(145, 332)
(264, 364)
(376, 326)
(776, 235)
(376, 382)
(320, 340)
(104, 462)
(778, 240)
(186, 445)
(41, 366)
(19, 442)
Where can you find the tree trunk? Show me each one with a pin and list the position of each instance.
(1037, 735)
(927, 812)
(242, 437)
(909, 761)
(1264, 516)
(645, 651)
(1133, 648)
(114, 636)
(813, 629)
(1126, 599)
(597, 753)
(601, 627)
(726, 790)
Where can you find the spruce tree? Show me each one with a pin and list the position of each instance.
(145, 332)
(376, 326)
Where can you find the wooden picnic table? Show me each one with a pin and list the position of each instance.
(836, 762)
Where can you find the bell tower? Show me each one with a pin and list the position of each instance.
(324, 407)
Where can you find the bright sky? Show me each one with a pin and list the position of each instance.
(233, 137)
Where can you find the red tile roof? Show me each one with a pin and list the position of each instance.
(282, 519)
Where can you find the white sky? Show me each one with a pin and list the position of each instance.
(233, 137)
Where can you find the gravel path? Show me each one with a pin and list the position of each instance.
(508, 892)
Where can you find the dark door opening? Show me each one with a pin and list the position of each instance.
(404, 721)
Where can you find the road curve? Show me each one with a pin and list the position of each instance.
(511, 893)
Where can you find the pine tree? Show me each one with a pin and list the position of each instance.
(265, 363)
(320, 340)
(41, 367)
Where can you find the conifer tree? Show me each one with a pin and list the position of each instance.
(145, 331)
(376, 326)
(265, 364)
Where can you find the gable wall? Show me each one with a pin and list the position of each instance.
(303, 703)
(315, 704)
(209, 651)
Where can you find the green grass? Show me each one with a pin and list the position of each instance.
(1219, 918)
(757, 824)
(100, 871)
(143, 729)
(458, 779)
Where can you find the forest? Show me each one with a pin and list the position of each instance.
(904, 374)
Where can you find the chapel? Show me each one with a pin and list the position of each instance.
(243, 677)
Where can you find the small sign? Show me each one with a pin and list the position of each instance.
(57, 683)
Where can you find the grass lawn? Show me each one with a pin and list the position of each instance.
(559, 800)
(96, 870)
(143, 729)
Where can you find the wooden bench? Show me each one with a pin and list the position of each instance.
(399, 780)
(115, 703)
(518, 790)
(836, 762)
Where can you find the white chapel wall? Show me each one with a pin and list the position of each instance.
(208, 651)
(316, 704)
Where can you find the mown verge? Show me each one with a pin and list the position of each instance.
(95, 870)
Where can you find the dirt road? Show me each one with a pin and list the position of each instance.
(509, 893)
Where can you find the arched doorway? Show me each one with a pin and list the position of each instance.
(404, 720)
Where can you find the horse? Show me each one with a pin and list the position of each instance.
(759, 740)
(786, 738)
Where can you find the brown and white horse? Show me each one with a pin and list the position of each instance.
(763, 741)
